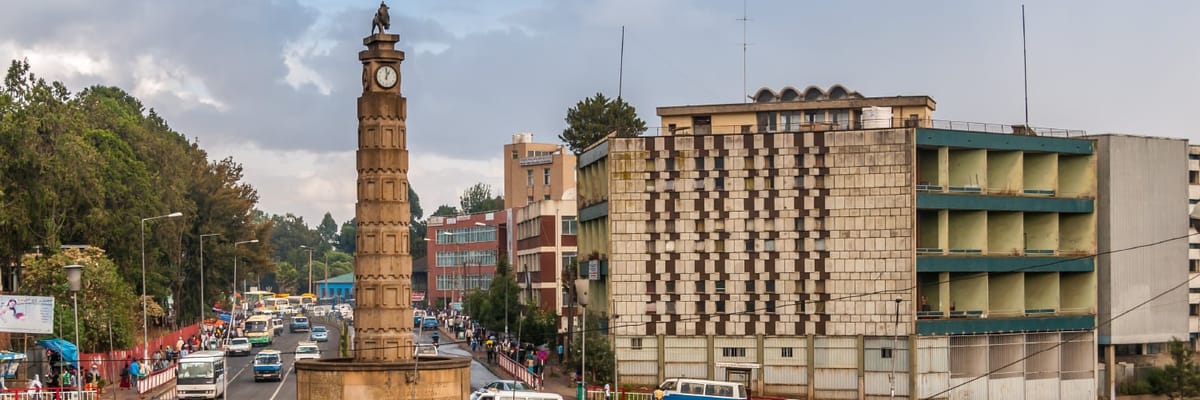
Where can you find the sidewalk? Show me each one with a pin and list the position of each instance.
(560, 384)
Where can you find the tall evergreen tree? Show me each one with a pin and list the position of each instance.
(595, 117)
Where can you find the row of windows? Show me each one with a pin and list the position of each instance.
(545, 176)
(769, 224)
(748, 307)
(785, 352)
(471, 234)
(748, 245)
(463, 282)
(719, 162)
(532, 153)
(339, 292)
(718, 286)
(748, 183)
(463, 258)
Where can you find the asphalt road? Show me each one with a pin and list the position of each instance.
(242, 384)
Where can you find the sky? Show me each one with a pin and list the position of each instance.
(273, 83)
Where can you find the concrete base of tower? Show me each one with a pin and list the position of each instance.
(435, 378)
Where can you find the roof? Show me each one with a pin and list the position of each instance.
(343, 278)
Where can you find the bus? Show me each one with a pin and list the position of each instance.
(308, 300)
(255, 298)
(258, 330)
(274, 304)
(201, 375)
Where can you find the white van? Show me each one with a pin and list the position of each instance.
(519, 395)
(701, 389)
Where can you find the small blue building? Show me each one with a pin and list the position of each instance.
(338, 287)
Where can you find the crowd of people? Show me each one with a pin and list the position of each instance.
(496, 344)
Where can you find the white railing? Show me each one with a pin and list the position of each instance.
(593, 394)
(154, 380)
(46, 394)
(519, 371)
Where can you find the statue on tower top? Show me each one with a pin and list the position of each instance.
(382, 20)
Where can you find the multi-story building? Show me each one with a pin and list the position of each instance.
(811, 242)
(1142, 186)
(1193, 248)
(545, 246)
(536, 171)
(462, 253)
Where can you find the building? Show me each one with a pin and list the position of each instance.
(808, 242)
(1142, 187)
(536, 171)
(338, 287)
(464, 251)
(545, 246)
(420, 281)
(1193, 248)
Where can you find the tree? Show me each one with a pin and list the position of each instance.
(416, 228)
(1182, 377)
(595, 117)
(478, 198)
(445, 210)
(328, 229)
(105, 299)
(599, 353)
(348, 236)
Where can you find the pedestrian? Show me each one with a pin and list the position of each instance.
(474, 345)
(559, 349)
(135, 372)
(125, 376)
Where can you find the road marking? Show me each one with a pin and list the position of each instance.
(283, 381)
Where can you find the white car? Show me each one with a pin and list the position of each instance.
(501, 386)
(238, 346)
(426, 349)
(308, 351)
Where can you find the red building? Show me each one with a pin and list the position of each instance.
(545, 233)
(461, 254)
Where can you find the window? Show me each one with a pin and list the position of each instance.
(569, 258)
(1194, 177)
(546, 196)
(670, 164)
(670, 225)
(529, 200)
(749, 244)
(770, 286)
(769, 306)
(885, 352)
(635, 343)
(719, 245)
(699, 286)
(799, 182)
(545, 176)
(650, 286)
(718, 162)
(669, 185)
(670, 286)
(1194, 265)
(749, 286)
(786, 352)
(670, 307)
(799, 161)
(750, 308)
(800, 244)
(790, 121)
(699, 184)
(819, 244)
(720, 306)
(769, 245)
(815, 116)
(529, 178)
(766, 121)
(720, 286)
(733, 351)
(770, 161)
(570, 226)
(719, 183)
(700, 163)
(841, 118)
(514, 154)
(1194, 309)
(749, 183)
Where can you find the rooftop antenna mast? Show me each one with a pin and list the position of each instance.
(745, 19)
(621, 65)
(1025, 65)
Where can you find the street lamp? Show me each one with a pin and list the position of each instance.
(310, 251)
(74, 280)
(235, 260)
(203, 305)
(145, 326)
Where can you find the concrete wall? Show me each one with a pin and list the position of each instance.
(1143, 192)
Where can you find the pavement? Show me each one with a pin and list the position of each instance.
(560, 384)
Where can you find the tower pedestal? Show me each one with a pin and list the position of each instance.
(436, 378)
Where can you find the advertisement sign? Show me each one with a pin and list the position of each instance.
(27, 314)
(418, 296)
(594, 270)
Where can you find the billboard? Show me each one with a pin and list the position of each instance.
(26, 314)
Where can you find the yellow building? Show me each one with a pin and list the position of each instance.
(806, 242)
(536, 171)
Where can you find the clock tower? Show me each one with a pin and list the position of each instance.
(381, 362)
(383, 263)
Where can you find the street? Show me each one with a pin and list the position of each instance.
(241, 378)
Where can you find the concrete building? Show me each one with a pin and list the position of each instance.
(807, 243)
(1142, 187)
(1193, 248)
(463, 251)
(536, 171)
(340, 288)
(545, 245)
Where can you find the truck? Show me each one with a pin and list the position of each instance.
(268, 364)
(299, 324)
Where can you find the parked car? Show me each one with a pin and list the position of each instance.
(277, 325)
(299, 324)
(307, 351)
(238, 346)
(429, 324)
(319, 334)
(501, 386)
(426, 349)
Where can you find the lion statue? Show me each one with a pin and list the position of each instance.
(382, 20)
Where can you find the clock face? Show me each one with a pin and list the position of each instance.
(386, 76)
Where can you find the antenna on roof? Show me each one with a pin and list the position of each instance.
(1025, 65)
(744, 19)
(621, 66)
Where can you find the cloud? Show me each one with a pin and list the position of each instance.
(157, 78)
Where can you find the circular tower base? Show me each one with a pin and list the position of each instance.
(435, 378)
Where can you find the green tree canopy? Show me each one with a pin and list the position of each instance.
(105, 298)
(479, 198)
(595, 117)
(328, 229)
(445, 210)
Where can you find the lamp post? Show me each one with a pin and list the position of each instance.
(203, 305)
(74, 280)
(146, 326)
(895, 342)
(235, 260)
(310, 252)
(325, 288)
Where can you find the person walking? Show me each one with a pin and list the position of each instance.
(125, 376)
(135, 371)
(559, 350)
